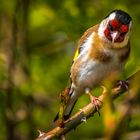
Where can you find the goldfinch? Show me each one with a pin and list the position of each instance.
(102, 51)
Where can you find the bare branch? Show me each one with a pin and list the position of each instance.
(86, 112)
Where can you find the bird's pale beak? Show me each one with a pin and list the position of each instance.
(115, 35)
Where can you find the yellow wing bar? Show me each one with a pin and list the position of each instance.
(76, 55)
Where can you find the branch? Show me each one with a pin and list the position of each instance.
(86, 112)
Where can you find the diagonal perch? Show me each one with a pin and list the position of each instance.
(85, 112)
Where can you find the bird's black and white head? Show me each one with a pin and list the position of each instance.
(115, 28)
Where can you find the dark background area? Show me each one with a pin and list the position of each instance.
(37, 43)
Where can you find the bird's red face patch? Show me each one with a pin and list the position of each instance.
(115, 25)
(107, 34)
(124, 28)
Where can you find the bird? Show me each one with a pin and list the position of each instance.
(102, 51)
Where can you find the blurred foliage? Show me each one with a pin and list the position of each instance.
(37, 43)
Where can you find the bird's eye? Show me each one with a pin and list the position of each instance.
(110, 27)
(124, 28)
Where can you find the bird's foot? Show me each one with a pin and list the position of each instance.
(94, 100)
(123, 84)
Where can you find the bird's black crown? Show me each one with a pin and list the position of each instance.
(122, 16)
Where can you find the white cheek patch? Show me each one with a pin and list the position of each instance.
(103, 26)
(101, 29)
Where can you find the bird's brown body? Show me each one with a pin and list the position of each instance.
(102, 52)
(101, 60)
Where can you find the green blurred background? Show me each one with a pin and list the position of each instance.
(37, 43)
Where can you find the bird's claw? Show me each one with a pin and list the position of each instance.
(123, 84)
(95, 102)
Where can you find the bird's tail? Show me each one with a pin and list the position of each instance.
(70, 105)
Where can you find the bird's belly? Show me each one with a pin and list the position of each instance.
(92, 73)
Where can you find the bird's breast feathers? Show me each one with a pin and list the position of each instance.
(95, 61)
